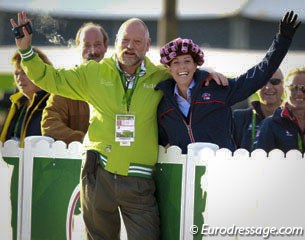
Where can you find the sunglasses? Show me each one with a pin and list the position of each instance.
(295, 88)
(275, 81)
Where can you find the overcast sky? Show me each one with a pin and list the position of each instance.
(270, 9)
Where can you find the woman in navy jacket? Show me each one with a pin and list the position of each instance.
(285, 130)
(192, 112)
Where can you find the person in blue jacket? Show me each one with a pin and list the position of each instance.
(192, 112)
(246, 122)
(285, 130)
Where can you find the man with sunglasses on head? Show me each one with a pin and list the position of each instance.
(247, 121)
(285, 130)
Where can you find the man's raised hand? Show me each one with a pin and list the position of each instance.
(22, 42)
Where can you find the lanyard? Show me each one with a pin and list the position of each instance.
(300, 144)
(253, 130)
(21, 114)
(128, 94)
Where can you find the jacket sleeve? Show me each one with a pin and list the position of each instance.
(55, 121)
(71, 83)
(238, 122)
(265, 138)
(162, 136)
(258, 76)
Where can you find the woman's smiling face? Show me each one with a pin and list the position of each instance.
(294, 91)
(182, 69)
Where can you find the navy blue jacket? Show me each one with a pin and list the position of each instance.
(29, 121)
(243, 132)
(210, 116)
(280, 131)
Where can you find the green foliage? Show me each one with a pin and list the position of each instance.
(6, 82)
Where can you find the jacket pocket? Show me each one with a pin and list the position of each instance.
(90, 165)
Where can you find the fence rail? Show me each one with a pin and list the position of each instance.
(206, 186)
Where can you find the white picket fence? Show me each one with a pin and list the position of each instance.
(242, 190)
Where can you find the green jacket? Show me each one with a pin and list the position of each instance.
(100, 85)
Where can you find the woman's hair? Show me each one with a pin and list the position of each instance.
(16, 58)
(293, 73)
(179, 47)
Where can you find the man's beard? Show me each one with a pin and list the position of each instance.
(135, 60)
(92, 56)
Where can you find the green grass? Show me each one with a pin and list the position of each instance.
(6, 82)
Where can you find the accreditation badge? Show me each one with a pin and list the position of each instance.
(124, 129)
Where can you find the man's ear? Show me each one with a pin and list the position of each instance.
(148, 44)
(116, 40)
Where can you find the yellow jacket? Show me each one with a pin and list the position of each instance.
(30, 125)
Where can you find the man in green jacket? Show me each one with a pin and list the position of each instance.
(122, 139)
(66, 119)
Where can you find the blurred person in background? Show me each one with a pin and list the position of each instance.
(285, 130)
(24, 116)
(247, 121)
(66, 119)
(5, 104)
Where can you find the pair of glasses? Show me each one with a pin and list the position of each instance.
(295, 88)
(275, 81)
